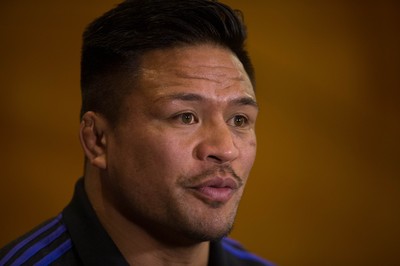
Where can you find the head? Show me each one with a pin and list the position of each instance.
(168, 115)
(114, 44)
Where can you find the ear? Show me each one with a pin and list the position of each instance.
(93, 139)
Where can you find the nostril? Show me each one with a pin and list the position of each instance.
(214, 158)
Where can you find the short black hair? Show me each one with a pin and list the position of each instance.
(114, 43)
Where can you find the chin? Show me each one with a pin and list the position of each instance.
(207, 231)
(209, 226)
(212, 236)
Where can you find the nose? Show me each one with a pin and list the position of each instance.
(217, 144)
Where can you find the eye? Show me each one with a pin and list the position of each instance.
(239, 121)
(187, 118)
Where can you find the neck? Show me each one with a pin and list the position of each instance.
(137, 245)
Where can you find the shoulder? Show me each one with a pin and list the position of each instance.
(236, 252)
(41, 246)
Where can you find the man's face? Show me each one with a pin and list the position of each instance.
(178, 161)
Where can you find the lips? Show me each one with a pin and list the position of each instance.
(216, 189)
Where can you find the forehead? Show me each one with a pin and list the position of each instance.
(200, 64)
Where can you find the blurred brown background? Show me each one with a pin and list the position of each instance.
(325, 189)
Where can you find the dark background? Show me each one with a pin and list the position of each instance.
(325, 188)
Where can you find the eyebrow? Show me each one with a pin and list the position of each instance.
(182, 97)
(245, 101)
(191, 97)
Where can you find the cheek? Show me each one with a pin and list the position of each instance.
(253, 147)
(159, 154)
(248, 154)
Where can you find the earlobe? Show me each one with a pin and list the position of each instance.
(93, 139)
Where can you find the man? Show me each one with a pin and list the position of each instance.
(168, 117)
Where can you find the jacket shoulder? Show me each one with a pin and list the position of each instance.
(236, 252)
(43, 245)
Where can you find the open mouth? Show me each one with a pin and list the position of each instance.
(216, 189)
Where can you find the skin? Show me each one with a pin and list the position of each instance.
(188, 121)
